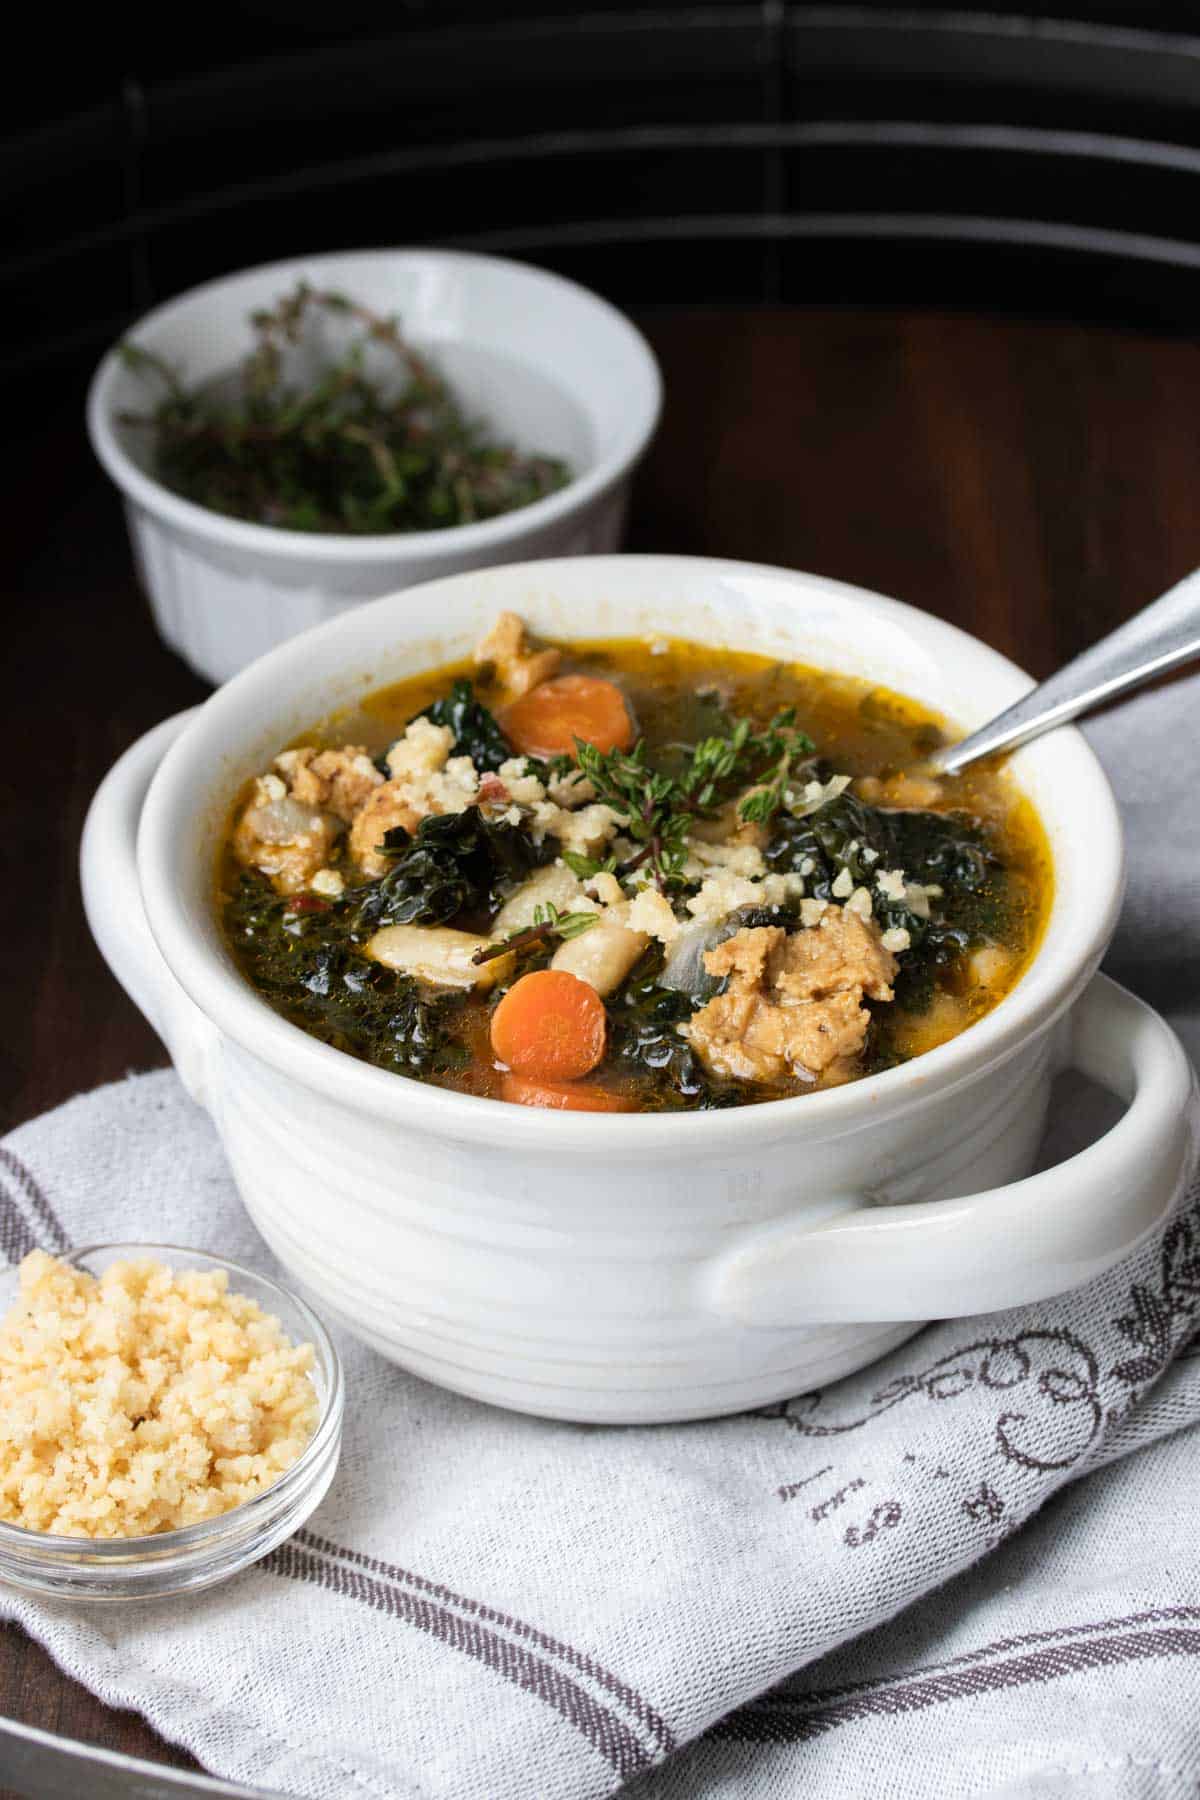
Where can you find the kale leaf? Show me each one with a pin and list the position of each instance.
(943, 849)
(642, 1033)
(946, 850)
(456, 862)
(477, 732)
(304, 964)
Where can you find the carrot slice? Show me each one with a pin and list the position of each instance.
(547, 720)
(562, 1096)
(550, 1025)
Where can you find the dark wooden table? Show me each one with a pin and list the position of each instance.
(1032, 482)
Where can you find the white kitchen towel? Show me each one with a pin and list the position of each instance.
(488, 1607)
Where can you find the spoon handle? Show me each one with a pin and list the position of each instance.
(1159, 637)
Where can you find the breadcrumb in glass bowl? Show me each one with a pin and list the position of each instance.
(162, 1426)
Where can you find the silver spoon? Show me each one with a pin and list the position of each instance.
(1160, 637)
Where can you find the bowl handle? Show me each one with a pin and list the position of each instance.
(945, 1259)
(112, 900)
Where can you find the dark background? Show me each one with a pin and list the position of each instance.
(739, 151)
(1043, 162)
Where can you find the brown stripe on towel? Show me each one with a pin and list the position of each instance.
(606, 1733)
(17, 1238)
(1000, 1647)
(635, 1703)
(776, 1720)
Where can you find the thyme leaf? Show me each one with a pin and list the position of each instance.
(587, 866)
(548, 924)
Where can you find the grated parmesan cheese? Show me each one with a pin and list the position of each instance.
(144, 1400)
(423, 748)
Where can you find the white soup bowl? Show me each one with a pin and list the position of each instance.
(653, 1266)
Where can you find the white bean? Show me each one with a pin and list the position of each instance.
(990, 965)
(603, 955)
(551, 886)
(437, 955)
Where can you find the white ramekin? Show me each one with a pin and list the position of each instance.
(655, 1266)
(550, 365)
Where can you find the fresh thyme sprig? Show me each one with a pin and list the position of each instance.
(648, 802)
(659, 810)
(780, 744)
(548, 923)
(346, 452)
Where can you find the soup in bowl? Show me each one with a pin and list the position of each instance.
(630, 875)
(780, 1012)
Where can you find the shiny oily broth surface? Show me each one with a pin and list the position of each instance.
(678, 692)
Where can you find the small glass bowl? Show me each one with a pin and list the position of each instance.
(175, 1562)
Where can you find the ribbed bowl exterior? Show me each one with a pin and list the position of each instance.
(582, 1295)
(222, 610)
